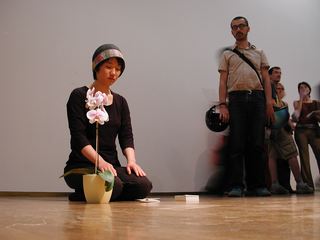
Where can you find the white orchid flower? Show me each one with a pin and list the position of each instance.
(94, 101)
(99, 98)
(90, 101)
(90, 93)
(98, 115)
(105, 99)
(106, 119)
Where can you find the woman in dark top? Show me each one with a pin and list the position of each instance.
(307, 118)
(130, 181)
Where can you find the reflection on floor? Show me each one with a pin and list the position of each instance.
(276, 217)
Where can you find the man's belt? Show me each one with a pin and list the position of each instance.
(246, 92)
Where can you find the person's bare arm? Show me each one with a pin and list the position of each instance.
(224, 112)
(268, 92)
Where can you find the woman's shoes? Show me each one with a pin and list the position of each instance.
(304, 189)
(278, 190)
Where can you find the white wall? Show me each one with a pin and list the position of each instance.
(170, 47)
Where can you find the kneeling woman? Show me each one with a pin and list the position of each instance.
(130, 181)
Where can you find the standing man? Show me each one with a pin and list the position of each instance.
(275, 78)
(250, 108)
(282, 166)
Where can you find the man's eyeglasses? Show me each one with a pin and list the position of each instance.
(280, 89)
(241, 26)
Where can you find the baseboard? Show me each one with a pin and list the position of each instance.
(66, 194)
(34, 194)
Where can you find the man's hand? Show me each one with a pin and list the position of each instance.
(270, 114)
(224, 114)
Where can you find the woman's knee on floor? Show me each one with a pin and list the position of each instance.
(144, 186)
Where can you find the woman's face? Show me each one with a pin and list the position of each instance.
(280, 91)
(109, 71)
(305, 88)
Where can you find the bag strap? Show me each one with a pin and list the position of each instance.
(244, 58)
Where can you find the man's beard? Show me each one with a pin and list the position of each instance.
(241, 36)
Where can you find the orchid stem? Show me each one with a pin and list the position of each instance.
(97, 155)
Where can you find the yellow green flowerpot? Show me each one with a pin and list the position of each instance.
(95, 189)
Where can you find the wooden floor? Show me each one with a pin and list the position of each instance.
(276, 217)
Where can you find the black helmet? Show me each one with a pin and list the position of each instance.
(282, 117)
(213, 121)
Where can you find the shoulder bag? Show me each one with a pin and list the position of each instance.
(283, 109)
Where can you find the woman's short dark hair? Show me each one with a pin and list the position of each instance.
(304, 83)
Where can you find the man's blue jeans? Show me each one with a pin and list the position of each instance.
(247, 129)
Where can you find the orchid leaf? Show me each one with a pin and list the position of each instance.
(108, 177)
(109, 186)
(78, 170)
